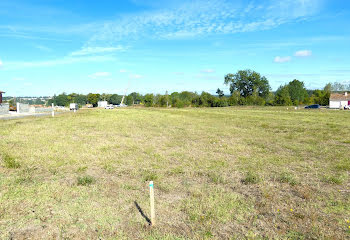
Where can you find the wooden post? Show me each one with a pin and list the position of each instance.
(151, 192)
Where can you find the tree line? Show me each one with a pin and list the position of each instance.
(246, 87)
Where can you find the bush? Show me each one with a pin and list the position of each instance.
(179, 104)
(220, 102)
(85, 180)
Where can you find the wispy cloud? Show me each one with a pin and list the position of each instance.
(123, 70)
(97, 50)
(18, 79)
(178, 73)
(135, 76)
(1, 63)
(200, 18)
(100, 74)
(207, 71)
(43, 48)
(61, 61)
(279, 59)
(303, 53)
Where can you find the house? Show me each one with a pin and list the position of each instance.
(339, 100)
(1, 96)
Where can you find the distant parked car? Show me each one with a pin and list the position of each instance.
(313, 106)
(109, 106)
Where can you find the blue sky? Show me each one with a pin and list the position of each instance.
(51, 46)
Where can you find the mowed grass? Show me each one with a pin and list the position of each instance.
(219, 173)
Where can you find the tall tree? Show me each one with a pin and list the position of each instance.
(149, 98)
(246, 82)
(115, 99)
(297, 91)
(282, 96)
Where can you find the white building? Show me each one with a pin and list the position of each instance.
(102, 104)
(339, 100)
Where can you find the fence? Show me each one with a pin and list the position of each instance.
(4, 108)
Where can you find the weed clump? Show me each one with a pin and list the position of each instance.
(333, 179)
(10, 162)
(287, 178)
(85, 180)
(149, 176)
(251, 178)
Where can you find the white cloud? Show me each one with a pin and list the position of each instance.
(97, 50)
(1, 63)
(279, 59)
(135, 76)
(303, 53)
(123, 71)
(208, 71)
(100, 74)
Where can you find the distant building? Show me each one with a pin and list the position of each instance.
(102, 104)
(1, 96)
(339, 100)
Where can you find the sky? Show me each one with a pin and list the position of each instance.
(108, 46)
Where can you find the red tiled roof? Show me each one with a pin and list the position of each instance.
(339, 97)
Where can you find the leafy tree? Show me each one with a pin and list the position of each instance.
(61, 100)
(206, 100)
(233, 100)
(81, 99)
(246, 82)
(321, 96)
(129, 100)
(93, 98)
(162, 101)
(115, 99)
(137, 97)
(174, 97)
(297, 91)
(220, 92)
(282, 96)
(149, 100)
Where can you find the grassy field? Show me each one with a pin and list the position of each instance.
(219, 173)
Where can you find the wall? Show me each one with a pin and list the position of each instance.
(40, 110)
(22, 108)
(4, 108)
(334, 104)
(337, 104)
(102, 104)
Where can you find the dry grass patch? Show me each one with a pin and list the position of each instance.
(219, 173)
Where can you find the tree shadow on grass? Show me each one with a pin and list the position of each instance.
(142, 213)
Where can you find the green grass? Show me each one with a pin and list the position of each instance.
(85, 180)
(219, 173)
(10, 162)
